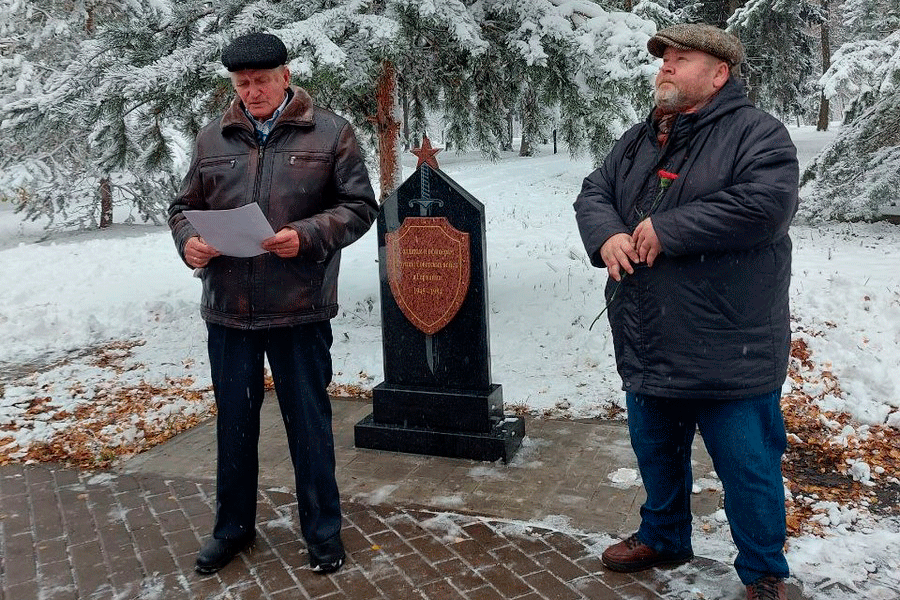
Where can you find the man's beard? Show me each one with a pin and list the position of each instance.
(670, 99)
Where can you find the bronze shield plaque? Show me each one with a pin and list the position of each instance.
(428, 270)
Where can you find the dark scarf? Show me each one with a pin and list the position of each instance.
(663, 122)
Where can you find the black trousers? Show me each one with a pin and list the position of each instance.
(300, 360)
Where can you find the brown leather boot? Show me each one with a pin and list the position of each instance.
(767, 588)
(632, 555)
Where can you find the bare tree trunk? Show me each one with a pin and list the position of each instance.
(106, 215)
(824, 108)
(507, 142)
(529, 127)
(525, 146)
(90, 24)
(388, 128)
(824, 114)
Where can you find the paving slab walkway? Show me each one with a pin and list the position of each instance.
(416, 527)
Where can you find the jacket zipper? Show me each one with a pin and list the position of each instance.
(261, 151)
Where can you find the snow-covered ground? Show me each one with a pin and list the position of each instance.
(126, 287)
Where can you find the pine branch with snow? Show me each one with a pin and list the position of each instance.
(132, 93)
(855, 177)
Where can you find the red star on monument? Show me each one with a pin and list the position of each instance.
(426, 154)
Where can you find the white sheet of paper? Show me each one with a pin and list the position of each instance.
(233, 232)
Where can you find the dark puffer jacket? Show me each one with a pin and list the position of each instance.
(309, 176)
(710, 318)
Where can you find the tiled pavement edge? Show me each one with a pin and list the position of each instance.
(133, 533)
(561, 469)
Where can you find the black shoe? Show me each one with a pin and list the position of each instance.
(326, 567)
(215, 554)
(328, 556)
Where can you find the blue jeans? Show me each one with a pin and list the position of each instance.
(745, 439)
(300, 358)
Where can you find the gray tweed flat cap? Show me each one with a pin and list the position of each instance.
(254, 51)
(698, 36)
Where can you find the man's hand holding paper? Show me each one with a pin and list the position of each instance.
(198, 253)
(233, 232)
(285, 244)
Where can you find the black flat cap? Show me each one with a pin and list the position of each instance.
(698, 36)
(254, 51)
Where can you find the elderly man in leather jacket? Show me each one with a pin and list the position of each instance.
(689, 213)
(303, 166)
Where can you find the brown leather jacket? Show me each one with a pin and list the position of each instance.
(309, 176)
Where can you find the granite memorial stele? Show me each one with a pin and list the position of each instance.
(437, 397)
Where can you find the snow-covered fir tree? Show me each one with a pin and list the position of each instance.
(855, 177)
(870, 19)
(52, 164)
(663, 14)
(604, 85)
(781, 65)
(133, 95)
(38, 35)
(714, 12)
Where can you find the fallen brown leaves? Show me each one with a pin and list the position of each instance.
(94, 440)
(820, 451)
(349, 390)
(335, 390)
(112, 421)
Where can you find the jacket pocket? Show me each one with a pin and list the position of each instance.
(297, 158)
(301, 186)
(212, 164)
(224, 180)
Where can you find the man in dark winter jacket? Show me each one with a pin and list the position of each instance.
(689, 214)
(303, 166)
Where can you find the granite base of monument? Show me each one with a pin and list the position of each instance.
(500, 443)
(433, 408)
(441, 422)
